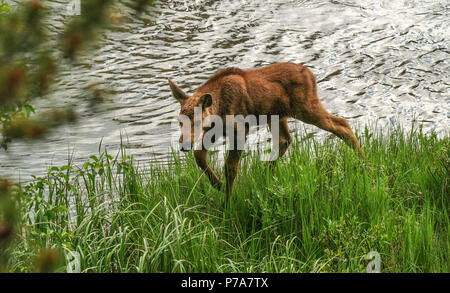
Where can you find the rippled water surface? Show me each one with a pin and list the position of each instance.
(380, 61)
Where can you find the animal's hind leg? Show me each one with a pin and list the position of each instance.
(307, 108)
(314, 113)
(284, 137)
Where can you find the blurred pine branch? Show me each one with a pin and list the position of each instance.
(29, 66)
(30, 61)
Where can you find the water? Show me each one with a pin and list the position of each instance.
(382, 62)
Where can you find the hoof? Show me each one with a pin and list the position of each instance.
(217, 185)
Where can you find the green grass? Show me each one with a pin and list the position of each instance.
(322, 210)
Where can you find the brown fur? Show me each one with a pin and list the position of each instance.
(284, 89)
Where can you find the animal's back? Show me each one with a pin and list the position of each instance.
(283, 73)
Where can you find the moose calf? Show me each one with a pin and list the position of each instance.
(283, 89)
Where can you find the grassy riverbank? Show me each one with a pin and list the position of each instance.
(322, 210)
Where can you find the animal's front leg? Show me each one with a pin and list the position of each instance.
(231, 169)
(200, 159)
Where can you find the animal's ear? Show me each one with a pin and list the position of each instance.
(176, 91)
(205, 101)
